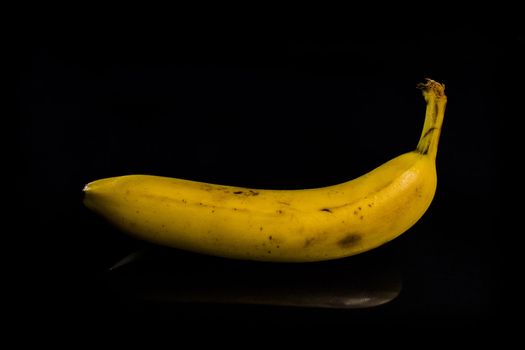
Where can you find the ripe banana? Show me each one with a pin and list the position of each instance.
(280, 225)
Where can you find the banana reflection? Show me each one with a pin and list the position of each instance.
(161, 276)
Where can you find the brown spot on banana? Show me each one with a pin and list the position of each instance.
(314, 240)
(350, 240)
(247, 193)
(308, 241)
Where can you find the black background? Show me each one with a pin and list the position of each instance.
(271, 109)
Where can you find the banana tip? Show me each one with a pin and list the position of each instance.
(85, 192)
(432, 87)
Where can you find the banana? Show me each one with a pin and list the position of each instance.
(280, 225)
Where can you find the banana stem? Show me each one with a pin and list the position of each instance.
(436, 99)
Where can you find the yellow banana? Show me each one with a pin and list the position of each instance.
(280, 225)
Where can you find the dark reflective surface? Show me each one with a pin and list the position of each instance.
(166, 276)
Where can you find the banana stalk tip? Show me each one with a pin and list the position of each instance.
(432, 87)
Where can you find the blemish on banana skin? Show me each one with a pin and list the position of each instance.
(247, 193)
(314, 240)
(308, 241)
(350, 240)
